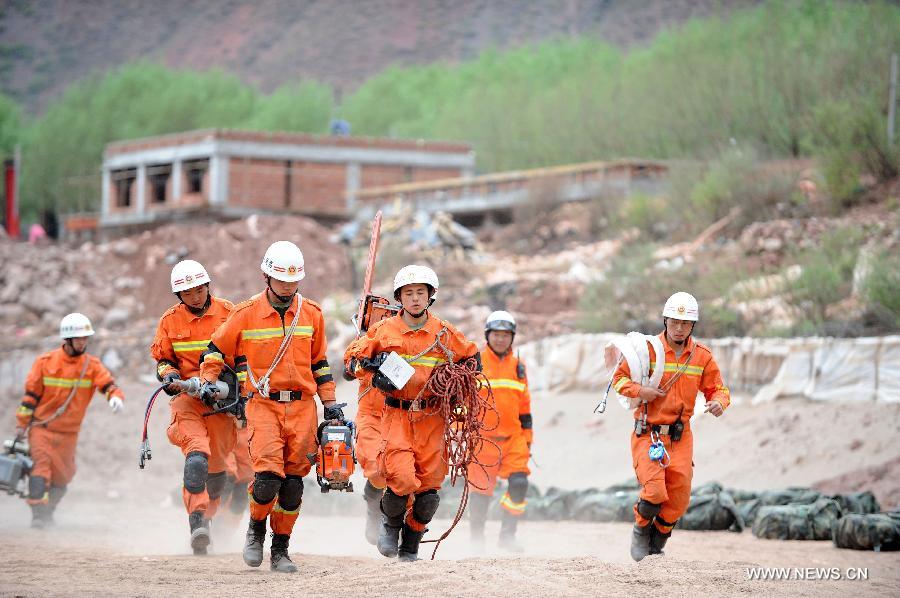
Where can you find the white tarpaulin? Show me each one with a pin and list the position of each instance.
(822, 369)
(888, 387)
(844, 370)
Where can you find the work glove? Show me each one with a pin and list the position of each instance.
(209, 392)
(20, 435)
(374, 363)
(349, 370)
(167, 380)
(116, 404)
(383, 383)
(334, 412)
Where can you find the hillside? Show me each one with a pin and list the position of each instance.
(45, 46)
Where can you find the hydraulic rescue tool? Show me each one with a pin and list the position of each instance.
(226, 400)
(15, 467)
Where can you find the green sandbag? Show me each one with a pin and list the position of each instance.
(878, 532)
(712, 511)
(796, 521)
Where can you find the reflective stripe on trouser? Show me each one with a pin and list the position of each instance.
(669, 487)
(412, 458)
(53, 454)
(214, 436)
(512, 458)
(368, 438)
(282, 521)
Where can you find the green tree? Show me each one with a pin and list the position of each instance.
(10, 125)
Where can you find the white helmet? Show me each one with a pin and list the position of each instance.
(500, 320)
(415, 275)
(283, 261)
(188, 274)
(682, 306)
(75, 325)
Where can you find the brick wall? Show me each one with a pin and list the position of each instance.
(256, 183)
(432, 174)
(318, 187)
(377, 175)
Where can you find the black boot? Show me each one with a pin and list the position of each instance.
(508, 534)
(409, 546)
(658, 540)
(199, 532)
(478, 511)
(41, 516)
(55, 495)
(389, 538)
(640, 541)
(253, 545)
(372, 496)
(393, 508)
(281, 561)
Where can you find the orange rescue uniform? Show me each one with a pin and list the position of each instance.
(51, 380)
(412, 456)
(670, 486)
(180, 339)
(238, 462)
(282, 433)
(508, 430)
(368, 422)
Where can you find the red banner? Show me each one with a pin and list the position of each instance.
(11, 211)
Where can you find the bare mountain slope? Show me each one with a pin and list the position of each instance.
(45, 46)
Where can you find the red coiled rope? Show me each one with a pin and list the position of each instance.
(452, 392)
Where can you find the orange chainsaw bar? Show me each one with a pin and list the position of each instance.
(370, 272)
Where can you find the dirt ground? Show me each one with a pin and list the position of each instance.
(121, 532)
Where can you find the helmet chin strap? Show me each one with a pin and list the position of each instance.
(198, 310)
(684, 342)
(505, 353)
(71, 350)
(281, 298)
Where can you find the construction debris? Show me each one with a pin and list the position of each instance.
(429, 236)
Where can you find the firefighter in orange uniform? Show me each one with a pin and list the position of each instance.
(508, 431)
(58, 389)
(663, 418)
(412, 453)
(368, 443)
(183, 333)
(278, 339)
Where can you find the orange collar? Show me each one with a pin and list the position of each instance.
(688, 346)
(265, 310)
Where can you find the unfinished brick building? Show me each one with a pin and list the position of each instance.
(233, 173)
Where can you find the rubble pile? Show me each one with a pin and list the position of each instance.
(123, 285)
(430, 237)
(774, 239)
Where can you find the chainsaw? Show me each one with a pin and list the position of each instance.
(336, 456)
(372, 308)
